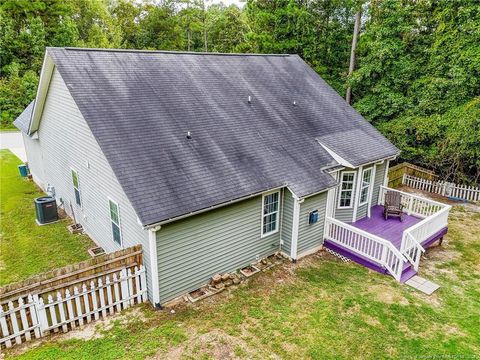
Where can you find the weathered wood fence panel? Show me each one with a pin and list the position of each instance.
(41, 315)
(444, 188)
(395, 173)
(72, 275)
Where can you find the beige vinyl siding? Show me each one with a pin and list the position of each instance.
(66, 142)
(310, 236)
(192, 250)
(287, 219)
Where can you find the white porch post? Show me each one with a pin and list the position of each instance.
(357, 190)
(370, 190)
(295, 225)
(152, 243)
(330, 207)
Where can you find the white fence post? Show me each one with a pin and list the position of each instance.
(78, 305)
(4, 328)
(124, 288)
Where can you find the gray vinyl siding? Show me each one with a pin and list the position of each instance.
(345, 215)
(190, 251)
(34, 159)
(310, 236)
(65, 142)
(287, 219)
(362, 211)
(379, 176)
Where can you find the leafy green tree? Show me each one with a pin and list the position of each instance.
(16, 92)
(160, 28)
(227, 28)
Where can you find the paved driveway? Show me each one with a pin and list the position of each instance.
(13, 141)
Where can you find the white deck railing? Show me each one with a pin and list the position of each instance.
(434, 218)
(370, 246)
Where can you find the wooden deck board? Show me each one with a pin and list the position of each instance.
(391, 229)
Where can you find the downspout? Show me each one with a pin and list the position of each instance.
(295, 226)
(152, 243)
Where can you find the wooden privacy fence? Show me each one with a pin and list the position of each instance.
(444, 188)
(40, 316)
(395, 173)
(73, 275)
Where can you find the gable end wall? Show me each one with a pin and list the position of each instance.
(65, 142)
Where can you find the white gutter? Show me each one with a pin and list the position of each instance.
(163, 222)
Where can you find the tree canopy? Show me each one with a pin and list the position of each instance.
(417, 76)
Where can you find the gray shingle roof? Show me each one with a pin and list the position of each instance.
(139, 105)
(22, 122)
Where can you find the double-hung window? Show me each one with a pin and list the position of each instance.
(346, 189)
(366, 181)
(115, 220)
(76, 187)
(270, 220)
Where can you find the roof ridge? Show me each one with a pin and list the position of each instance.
(70, 48)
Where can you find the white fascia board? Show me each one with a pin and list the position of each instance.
(42, 90)
(336, 157)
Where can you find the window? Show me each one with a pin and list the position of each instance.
(76, 187)
(115, 219)
(366, 180)
(346, 189)
(270, 213)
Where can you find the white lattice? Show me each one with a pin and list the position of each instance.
(341, 257)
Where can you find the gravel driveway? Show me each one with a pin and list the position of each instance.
(13, 141)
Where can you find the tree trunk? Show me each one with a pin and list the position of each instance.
(356, 31)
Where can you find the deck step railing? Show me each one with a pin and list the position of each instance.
(434, 218)
(372, 247)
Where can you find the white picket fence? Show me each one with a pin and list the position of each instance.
(36, 317)
(444, 188)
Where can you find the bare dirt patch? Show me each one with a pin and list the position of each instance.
(387, 295)
(216, 344)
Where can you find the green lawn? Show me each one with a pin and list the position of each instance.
(25, 248)
(319, 308)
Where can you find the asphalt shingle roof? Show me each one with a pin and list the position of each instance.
(22, 122)
(139, 106)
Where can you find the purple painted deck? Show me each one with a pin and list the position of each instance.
(391, 229)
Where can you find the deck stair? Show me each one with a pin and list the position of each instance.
(390, 246)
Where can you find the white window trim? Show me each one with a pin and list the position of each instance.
(262, 235)
(369, 187)
(119, 222)
(77, 188)
(340, 190)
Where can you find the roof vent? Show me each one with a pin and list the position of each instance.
(249, 99)
(189, 135)
(294, 103)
